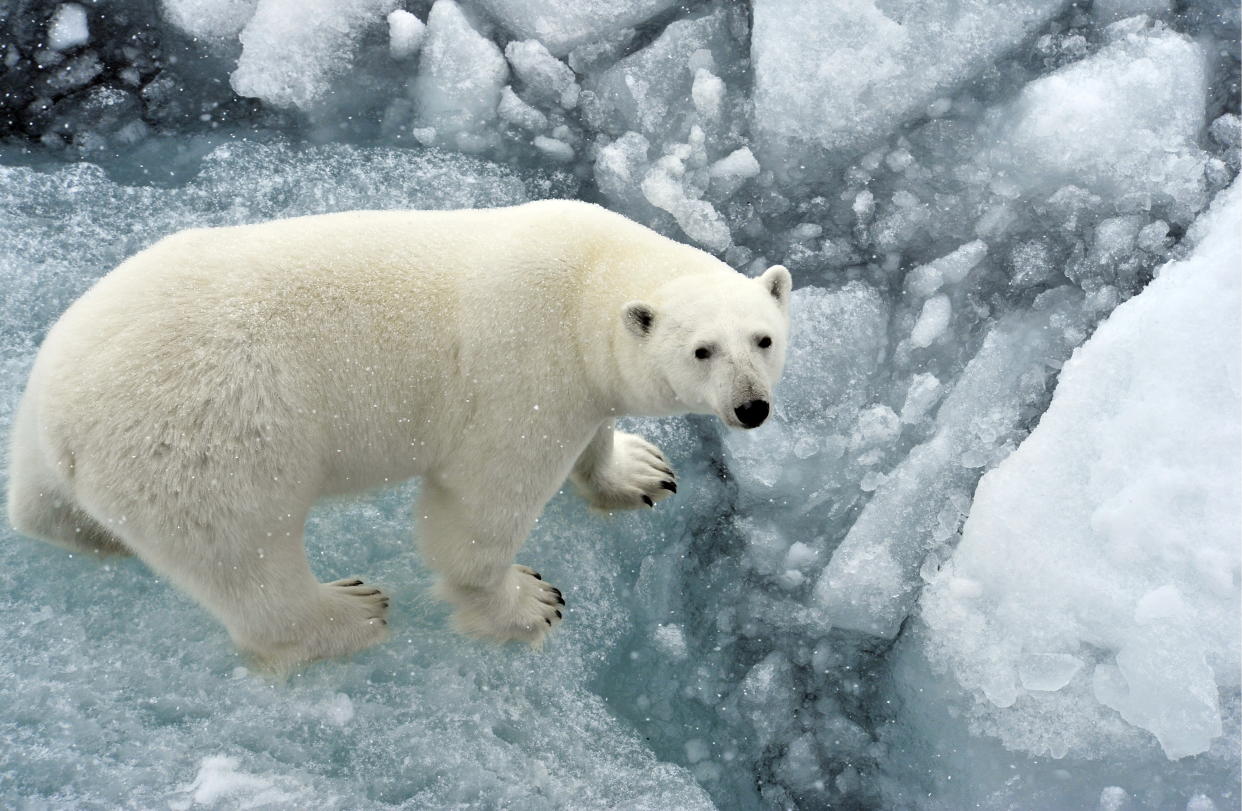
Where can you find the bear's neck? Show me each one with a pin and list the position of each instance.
(621, 374)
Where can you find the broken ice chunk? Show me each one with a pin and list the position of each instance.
(933, 320)
(1123, 121)
(949, 269)
(69, 28)
(554, 148)
(877, 426)
(923, 393)
(707, 92)
(405, 34)
(664, 189)
(293, 49)
(650, 91)
(563, 24)
(1159, 604)
(460, 79)
(1159, 687)
(545, 79)
(731, 172)
(619, 169)
(1088, 537)
(671, 640)
(767, 696)
(212, 20)
(512, 110)
(841, 75)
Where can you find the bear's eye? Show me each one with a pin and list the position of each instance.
(702, 353)
(764, 342)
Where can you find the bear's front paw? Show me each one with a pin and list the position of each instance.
(635, 475)
(523, 608)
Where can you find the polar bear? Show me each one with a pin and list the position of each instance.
(193, 404)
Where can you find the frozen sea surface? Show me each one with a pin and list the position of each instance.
(984, 553)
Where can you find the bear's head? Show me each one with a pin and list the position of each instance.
(715, 343)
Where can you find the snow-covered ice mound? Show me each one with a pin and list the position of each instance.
(1090, 612)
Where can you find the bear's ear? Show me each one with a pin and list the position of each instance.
(638, 318)
(777, 281)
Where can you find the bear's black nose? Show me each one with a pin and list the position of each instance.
(752, 414)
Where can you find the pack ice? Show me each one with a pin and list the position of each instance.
(983, 554)
(1098, 571)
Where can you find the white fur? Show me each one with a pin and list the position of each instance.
(194, 404)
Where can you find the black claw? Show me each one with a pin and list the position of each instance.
(536, 575)
(548, 621)
(558, 615)
(669, 486)
(560, 599)
(353, 583)
(647, 500)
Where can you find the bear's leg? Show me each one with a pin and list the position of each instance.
(470, 541)
(620, 471)
(260, 586)
(40, 505)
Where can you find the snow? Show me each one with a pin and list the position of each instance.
(1111, 534)
(69, 28)
(840, 75)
